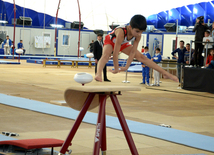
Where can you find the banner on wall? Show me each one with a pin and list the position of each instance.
(42, 41)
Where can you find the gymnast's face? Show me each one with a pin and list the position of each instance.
(136, 32)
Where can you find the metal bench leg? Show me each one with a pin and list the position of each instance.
(52, 151)
(76, 64)
(59, 63)
(72, 65)
(103, 142)
(124, 125)
(77, 123)
(100, 125)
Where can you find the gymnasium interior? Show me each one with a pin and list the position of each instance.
(46, 108)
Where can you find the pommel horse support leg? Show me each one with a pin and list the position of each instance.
(85, 98)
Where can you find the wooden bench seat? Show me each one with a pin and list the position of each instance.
(72, 65)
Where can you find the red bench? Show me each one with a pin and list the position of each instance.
(34, 143)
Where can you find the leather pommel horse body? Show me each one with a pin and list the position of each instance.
(84, 98)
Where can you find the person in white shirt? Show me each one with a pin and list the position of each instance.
(207, 39)
(157, 58)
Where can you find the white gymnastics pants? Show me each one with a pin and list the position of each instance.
(156, 77)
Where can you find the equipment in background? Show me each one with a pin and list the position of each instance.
(75, 25)
(26, 20)
(170, 27)
(98, 31)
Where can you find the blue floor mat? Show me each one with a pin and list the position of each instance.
(173, 135)
(8, 62)
(135, 69)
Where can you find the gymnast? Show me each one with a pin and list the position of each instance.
(118, 40)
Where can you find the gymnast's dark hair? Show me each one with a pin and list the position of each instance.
(146, 47)
(139, 22)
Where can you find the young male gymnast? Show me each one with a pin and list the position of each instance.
(118, 40)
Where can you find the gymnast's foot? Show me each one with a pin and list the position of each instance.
(170, 76)
(98, 78)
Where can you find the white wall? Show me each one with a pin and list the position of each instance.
(151, 41)
(27, 35)
(72, 48)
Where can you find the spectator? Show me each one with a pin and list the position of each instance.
(199, 30)
(7, 45)
(186, 55)
(210, 59)
(142, 50)
(145, 69)
(157, 58)
(207, 38)
(212, 32)
(91, 46)
(20, 46)
(180, 59)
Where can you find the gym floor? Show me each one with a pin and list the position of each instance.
(183, 110)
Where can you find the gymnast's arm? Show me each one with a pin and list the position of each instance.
(132, 52)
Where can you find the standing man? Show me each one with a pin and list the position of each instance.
(98, 51)
(20, 46)
(199, 30)
(7, 45)
(91, 46)
(180, 58)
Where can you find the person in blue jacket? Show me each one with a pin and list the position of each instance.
(180, 58)
(7, 45)
(145, 69)
(20, 46)
(157, 58)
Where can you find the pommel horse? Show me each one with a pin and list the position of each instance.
(85, 98)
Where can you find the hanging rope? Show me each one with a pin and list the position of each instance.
(44, 27)
(14, 32)
(23, 22)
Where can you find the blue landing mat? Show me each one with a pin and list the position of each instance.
(8, 62)
(3, 138)
(169, 134)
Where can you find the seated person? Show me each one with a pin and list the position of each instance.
(210, 59)
(7, 45)
(20, 46)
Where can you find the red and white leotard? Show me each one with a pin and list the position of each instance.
(111, 38)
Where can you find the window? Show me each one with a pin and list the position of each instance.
(65, 40)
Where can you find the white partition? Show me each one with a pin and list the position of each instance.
(72, 48)
(27, 34)
(152, 38)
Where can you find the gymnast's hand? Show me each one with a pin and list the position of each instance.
(170, 76)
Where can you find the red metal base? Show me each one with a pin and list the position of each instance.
(100, 134)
